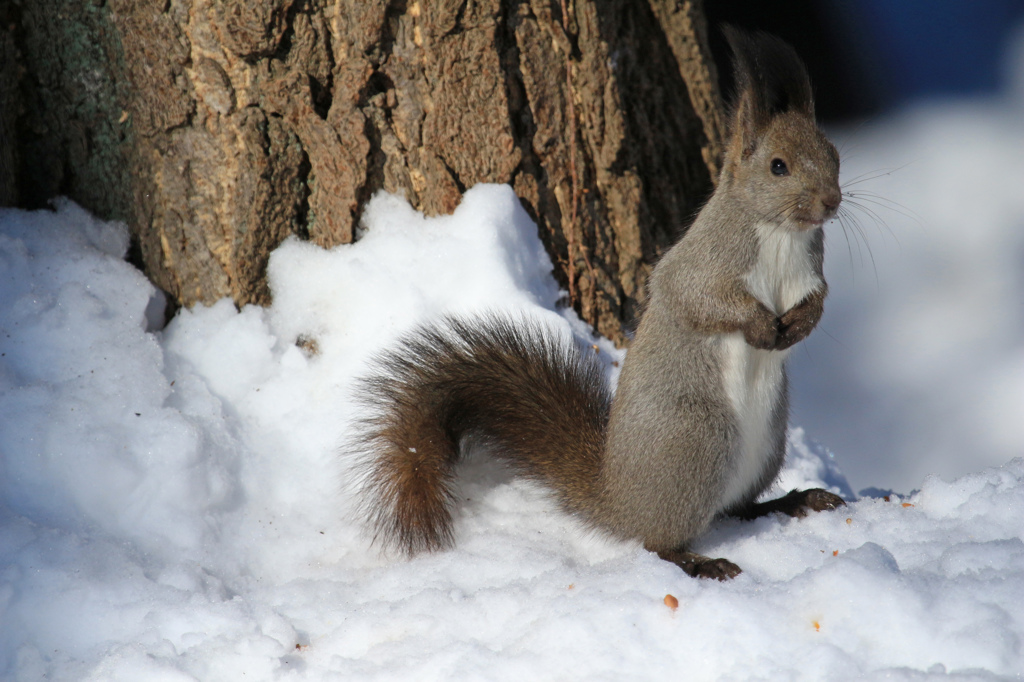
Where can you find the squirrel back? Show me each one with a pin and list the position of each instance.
(697, 425)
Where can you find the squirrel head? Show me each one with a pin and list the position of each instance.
(777, 162)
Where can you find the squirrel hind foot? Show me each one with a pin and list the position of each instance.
(699, 566)
(796, 503)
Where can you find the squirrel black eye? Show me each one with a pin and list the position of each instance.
(779, 167)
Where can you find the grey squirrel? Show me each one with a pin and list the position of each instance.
(697, 426)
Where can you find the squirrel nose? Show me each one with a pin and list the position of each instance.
(831, 201)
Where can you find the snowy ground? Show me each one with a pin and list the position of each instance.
(173, 506)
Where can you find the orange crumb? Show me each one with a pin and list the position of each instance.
(907, 504)
(849, 521)
(835, 552)
(671, 602)
(817, 626)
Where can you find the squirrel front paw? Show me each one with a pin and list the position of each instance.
(762, 330)
(795, 325)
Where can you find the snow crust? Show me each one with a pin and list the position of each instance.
(173, 504)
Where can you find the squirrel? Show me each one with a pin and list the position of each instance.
(697, 426)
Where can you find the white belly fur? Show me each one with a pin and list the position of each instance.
(752, 378)
(752, 382)
(784, 272)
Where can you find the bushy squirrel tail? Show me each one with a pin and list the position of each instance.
(520, 392)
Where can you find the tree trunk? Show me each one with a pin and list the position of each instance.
(216, 128)
(9, 108)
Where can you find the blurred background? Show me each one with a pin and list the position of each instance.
(917, 367)
(867, 57)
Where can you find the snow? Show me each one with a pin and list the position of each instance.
(174, 506)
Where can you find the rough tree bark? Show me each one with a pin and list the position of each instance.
(216, 128)
(9, 108)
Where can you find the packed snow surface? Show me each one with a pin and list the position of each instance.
(174, 505)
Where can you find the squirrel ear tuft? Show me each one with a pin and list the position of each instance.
(770, 80)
